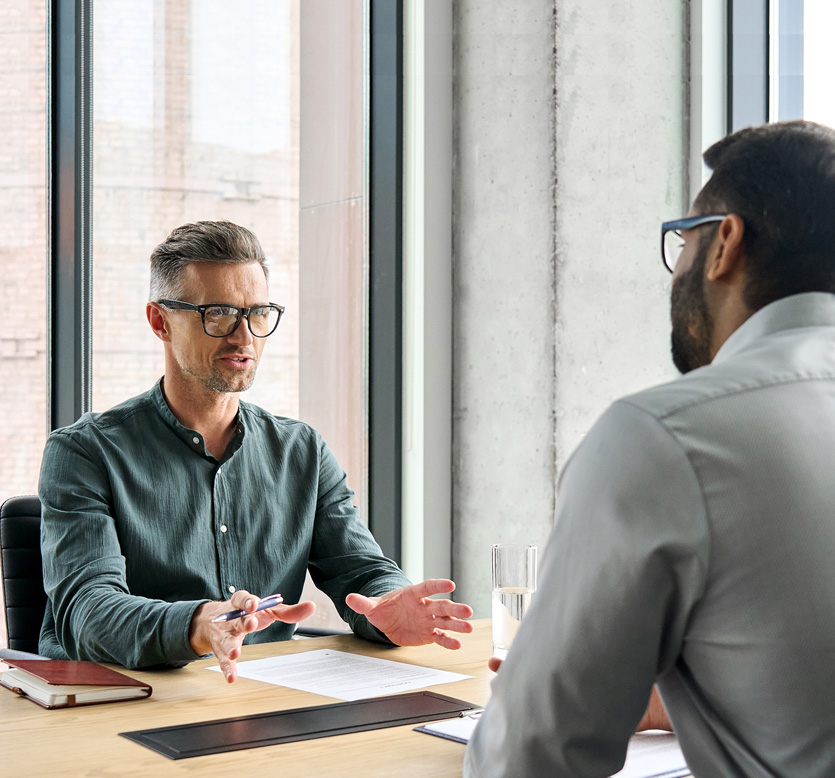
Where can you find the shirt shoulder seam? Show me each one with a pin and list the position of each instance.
(730, 392)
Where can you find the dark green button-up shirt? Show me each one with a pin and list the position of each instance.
(141, 524)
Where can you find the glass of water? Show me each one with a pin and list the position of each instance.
(514, 582)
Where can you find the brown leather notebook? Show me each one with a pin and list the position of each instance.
(59, 683)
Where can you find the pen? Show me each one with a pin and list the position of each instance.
(267, 602)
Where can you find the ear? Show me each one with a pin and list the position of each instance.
(158, 321)
(726, 259)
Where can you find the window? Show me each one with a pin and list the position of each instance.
(166, 112)
(818, 57)
(780, 61)
(23, 243)
(23, 246)
(196, 117)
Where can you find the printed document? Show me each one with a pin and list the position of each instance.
(342, 675)
(649, 755)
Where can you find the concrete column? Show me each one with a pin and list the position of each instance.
(570, 148)
(621, 128)
(503, 283)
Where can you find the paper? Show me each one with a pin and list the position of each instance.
(460, 729)
(342, 675)
(649, 755)
(653, 755)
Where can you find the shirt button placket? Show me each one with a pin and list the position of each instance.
(223, 529)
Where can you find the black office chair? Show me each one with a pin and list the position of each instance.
(23, 594)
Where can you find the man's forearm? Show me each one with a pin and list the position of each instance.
(111, 626)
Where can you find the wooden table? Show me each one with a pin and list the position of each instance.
(85, 742)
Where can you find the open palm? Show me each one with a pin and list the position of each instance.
(408, 617)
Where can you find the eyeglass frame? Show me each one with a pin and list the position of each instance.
(179, 305)
(680, 225)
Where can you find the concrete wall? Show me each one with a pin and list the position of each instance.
(570, 128)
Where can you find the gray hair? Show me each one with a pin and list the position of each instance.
(220, 241)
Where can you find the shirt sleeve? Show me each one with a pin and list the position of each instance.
(94, 615)
(344, 556)
(620, 575)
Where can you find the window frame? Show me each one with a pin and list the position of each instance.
(70, 172)
(746, 64)
(69, 283)
(765, 62)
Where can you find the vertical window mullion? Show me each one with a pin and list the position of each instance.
(385, 273)
(70, 163)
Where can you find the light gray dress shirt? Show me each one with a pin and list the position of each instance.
(694, 546)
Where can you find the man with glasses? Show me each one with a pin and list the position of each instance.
(166, 513)
(695, 532)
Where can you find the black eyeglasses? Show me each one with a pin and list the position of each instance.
(220, 321)
(672, 242)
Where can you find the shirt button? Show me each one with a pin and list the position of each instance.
(232, 589)
(223, 528)
(195, 440)
(219, 470)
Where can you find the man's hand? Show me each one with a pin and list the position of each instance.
(408, 617)
(655, 716)
(494, 663)
(224, 639)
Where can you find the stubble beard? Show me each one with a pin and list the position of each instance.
(219, 382)
(223, 383)
(692, 325)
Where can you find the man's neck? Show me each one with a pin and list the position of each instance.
(728, 316)
(212, 414)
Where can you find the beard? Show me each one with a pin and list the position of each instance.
(692, 329)
(221, 381)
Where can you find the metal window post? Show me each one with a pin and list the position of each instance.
(70, 191)
(385, 222)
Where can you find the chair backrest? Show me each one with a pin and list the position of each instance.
(23, 594)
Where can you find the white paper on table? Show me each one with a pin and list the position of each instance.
(459, 729)
(653, 755)
(649, 755)
(342, 675)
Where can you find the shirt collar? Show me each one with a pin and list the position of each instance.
(192, 438)
(810, 309)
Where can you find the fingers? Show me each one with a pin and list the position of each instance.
(291, 614)
(229, 668)
(227, 648)
(360, 603)
(445, 641)
(432, 586)
(449, 609)
(456, 625)
(494, 663)
(243, 600)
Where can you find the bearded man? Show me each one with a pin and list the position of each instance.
(695, 532)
